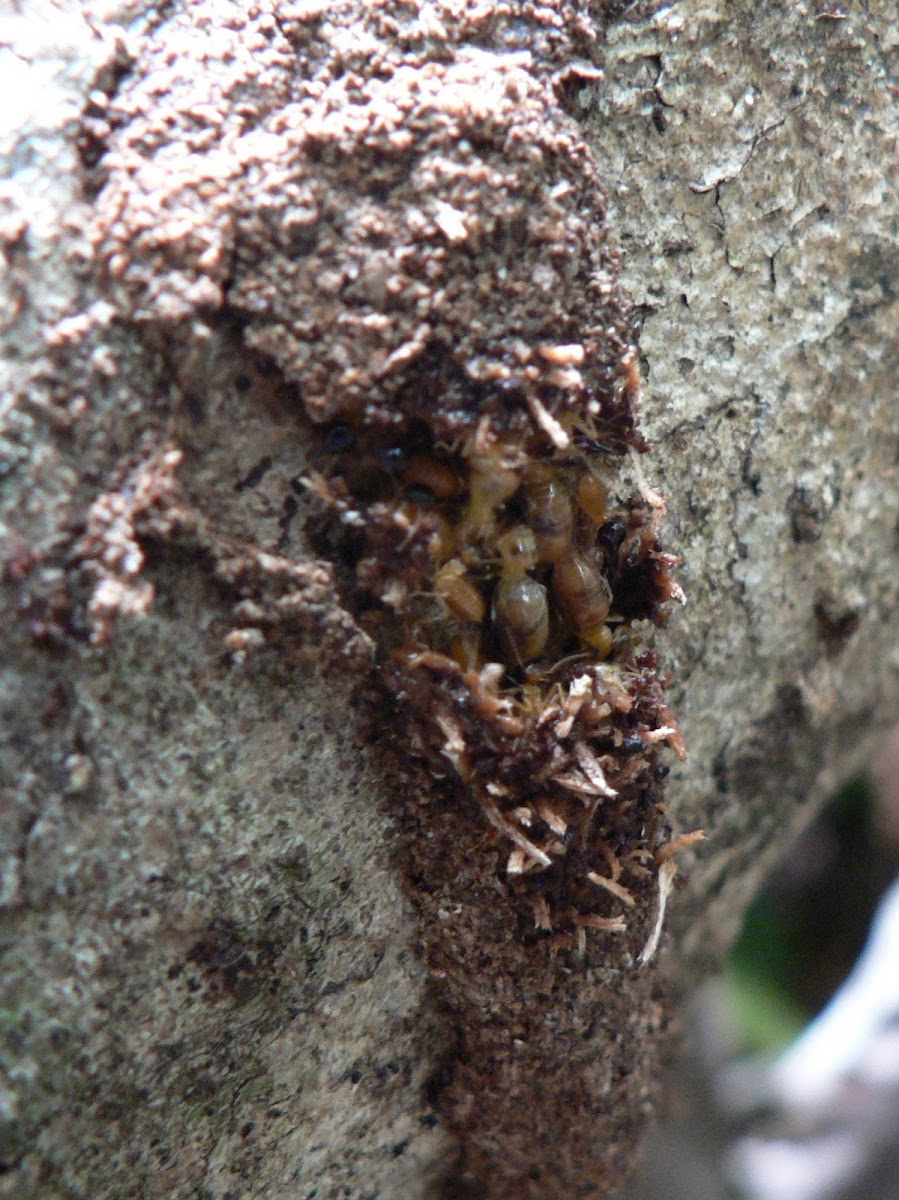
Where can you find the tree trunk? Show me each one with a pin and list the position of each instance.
(218, 979)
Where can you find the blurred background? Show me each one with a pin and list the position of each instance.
(788, 1085)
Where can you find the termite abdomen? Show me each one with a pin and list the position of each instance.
(521, 617)
(550, 515)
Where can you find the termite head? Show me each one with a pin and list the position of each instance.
(518, 552)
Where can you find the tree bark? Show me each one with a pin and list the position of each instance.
(215, 977)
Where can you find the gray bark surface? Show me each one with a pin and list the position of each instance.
(211, 980)
(760, 236)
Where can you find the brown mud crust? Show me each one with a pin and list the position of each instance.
(277, 602)
(391, 202)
